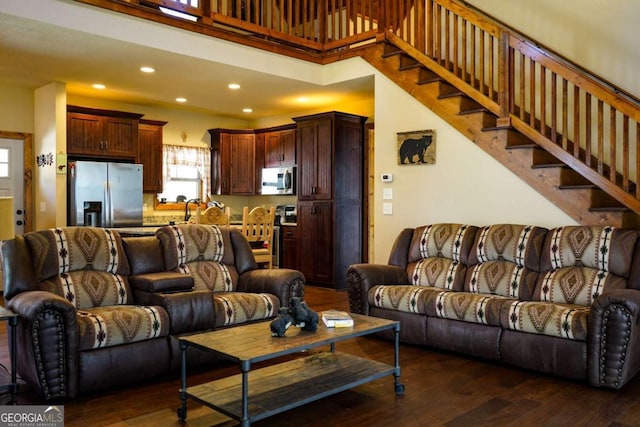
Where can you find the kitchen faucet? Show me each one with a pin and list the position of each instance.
(187, 212)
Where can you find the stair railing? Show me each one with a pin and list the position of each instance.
(583, 121)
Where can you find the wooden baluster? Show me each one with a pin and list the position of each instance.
(532, 93)
(522, 98)
(600, 141)
(543, 100)
(491, 89)
(472, 66)
(455, 35)
(464, 49)
(554, 108)
(625, 153)
(447, 40)
(430, 29)
(565, 115)
(613, 164)
(587, 139)
(576, 122)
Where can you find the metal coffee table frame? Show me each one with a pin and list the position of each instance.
(277, 388)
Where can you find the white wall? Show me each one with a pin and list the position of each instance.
(50, 123)
(16, 109)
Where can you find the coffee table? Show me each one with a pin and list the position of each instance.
(261, 393)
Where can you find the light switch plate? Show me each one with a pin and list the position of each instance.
(387, 208)
(387, 194)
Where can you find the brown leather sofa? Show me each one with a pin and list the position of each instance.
(98, 310)
(564, 301)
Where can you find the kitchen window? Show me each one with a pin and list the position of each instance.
(186, 173)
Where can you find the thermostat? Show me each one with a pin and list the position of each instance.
(386, 177)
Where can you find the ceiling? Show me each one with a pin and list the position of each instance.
(33, 54)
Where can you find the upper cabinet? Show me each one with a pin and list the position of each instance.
(95, 133)
(280, 146)
(233, 162)
(150, 154)
(315, 154)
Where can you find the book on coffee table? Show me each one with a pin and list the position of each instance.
(336, 319)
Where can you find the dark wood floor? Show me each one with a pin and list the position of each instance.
(441, 390)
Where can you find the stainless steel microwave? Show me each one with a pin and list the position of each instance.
(278, 180)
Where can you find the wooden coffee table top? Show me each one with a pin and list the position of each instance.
(253, 342)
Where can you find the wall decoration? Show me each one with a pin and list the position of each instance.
(417, 147)
(61, 163)
(44, 159)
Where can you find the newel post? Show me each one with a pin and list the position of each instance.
(505, 84)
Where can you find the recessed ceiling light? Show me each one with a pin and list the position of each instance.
(233, 86)
(247, 110)
(303, 99)
(99, 86)
(181, 99)
(147, 69)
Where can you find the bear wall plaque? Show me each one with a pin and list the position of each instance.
(417, 147)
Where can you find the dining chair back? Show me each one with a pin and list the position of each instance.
(257, 227)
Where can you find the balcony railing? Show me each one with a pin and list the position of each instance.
(587, 123)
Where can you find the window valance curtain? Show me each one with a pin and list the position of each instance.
(180, 155)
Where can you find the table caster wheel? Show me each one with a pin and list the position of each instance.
(182, 413)
(399, 389)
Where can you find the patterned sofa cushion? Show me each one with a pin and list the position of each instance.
(406, 298)
(553, 319)
(579, 263)
(232, 308)
(85, 265)
(110, 326)
(199, 250)
(438, 255)
(505, 260)
(466, 307)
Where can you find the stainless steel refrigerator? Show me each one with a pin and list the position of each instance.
(104, 194)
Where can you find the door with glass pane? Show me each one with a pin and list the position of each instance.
(11, 178)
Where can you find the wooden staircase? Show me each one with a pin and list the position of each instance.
(555, 180)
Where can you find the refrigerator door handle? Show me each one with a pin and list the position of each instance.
(108, 209)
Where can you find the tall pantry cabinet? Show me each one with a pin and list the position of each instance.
(330, 187)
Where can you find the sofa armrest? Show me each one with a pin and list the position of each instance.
(614, 338)
(164, 281)
(188, 311)
(281, 282)
(362, 277)
(47, 342)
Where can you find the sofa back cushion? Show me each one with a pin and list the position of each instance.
(438, 255)
(505, 260)
(85, 265)
(579, 263)
(202, 251)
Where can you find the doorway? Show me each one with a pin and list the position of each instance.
(16, 176)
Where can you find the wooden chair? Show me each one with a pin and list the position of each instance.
(214, 215)
(257, 227)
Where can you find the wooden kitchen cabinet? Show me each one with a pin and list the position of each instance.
(316, 243)
(330, 217)
(233, 162)
(94, 133)
(289, 247)
(315, 155)
(150, 154)
(280, 147)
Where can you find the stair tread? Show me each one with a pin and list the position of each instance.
(548, 165)
(577, 186)
(609, 209)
